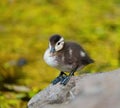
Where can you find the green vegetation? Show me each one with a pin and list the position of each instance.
(25, 26)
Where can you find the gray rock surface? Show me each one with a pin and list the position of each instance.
(100, 90)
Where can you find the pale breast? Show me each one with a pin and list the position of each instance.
(50, 60)
(64, 68)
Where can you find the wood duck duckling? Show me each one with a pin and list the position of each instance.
(66, 57)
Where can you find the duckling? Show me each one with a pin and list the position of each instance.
(66, 57)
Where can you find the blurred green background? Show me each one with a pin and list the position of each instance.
(25, 27)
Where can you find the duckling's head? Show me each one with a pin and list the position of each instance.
(56, 43)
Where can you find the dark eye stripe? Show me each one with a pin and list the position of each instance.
(58, 43)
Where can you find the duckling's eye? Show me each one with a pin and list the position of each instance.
(58, 43)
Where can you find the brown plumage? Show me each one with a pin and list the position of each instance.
(65, 56)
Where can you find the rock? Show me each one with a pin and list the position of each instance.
(100, 90)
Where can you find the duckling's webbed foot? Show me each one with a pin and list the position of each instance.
(61, 77)
(67, 78)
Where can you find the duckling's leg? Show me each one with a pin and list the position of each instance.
(61, 77)
(67, 78)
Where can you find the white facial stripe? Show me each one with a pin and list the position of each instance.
(62, 39)
(82, 53)
(60, 46)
